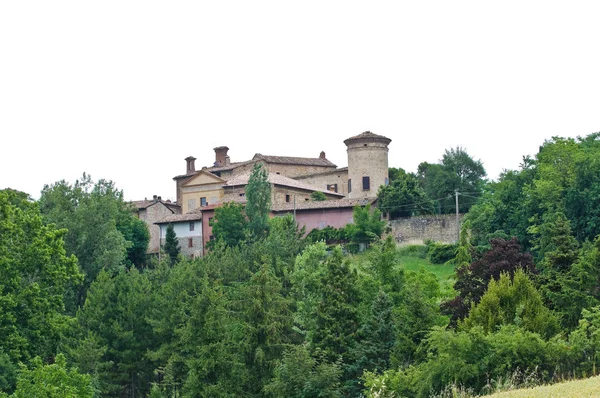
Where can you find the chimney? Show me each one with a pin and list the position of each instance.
(221, 155)
(155, 198)
(159, 199)
(322, 155)
(190, 166)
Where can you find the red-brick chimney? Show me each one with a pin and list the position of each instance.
(221, 158)
(322, 155)
(190, 166)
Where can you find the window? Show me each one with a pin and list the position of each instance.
(191, 226)
(211, 238)
(349, 185)
(202, 202)
(190, 242)
(332, 187)
(366, 183)
(287, 198)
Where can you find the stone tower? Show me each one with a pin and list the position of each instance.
(367, 164)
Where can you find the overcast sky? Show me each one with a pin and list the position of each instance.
(125, 90)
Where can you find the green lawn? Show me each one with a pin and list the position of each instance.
(576, 388)
(444, 273)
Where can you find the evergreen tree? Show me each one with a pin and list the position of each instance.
(376, 338)
(337, 314)
(172, 244)
(258, 207)
(512, 302)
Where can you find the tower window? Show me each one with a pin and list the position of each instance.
(287, 198)
(366, 183)
(349, 185)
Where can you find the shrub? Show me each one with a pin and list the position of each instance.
(413, 250)
(440, 253)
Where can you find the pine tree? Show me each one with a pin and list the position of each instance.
(376, 338)
(337, 315)
(171, 244)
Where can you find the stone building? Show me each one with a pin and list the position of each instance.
(367, 164)
(293, 180)
(151, 211)
(188, 229)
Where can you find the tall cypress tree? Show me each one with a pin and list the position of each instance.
(258, 194)
(171, 244)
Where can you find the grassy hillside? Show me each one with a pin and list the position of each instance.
(576, 388)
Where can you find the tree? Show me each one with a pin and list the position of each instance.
(509, 302)
(172, 244)
(404, 197)
(299, 374)
(318, 196)
(258, 195)
(35, 274)
(229, 224)
(113, 335)
(457, 171)
(52, 381)
(336, 315)
(472, 281)
(102, 231)
(375, 341)
(368, 225)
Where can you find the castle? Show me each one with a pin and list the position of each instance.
(293, 180)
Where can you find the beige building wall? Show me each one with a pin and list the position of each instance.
(322, 181)
(367, 159)
(203, 185)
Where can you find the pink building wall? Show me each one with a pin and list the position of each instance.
(321, 218)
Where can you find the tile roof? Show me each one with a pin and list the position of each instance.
(322, 173)
(323, 204)
(191, 216)
(368, 136)
(230, 166)
(294, 160)
(143, 204)
(278, 179)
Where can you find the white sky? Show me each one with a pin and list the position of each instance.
(125, 90)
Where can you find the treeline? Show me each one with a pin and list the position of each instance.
(269, 313)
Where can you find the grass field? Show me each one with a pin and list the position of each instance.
(576, 389)
(414, 262)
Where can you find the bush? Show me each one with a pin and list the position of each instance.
(440, 253)
(413, 250)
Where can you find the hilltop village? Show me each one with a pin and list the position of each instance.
(293, 180)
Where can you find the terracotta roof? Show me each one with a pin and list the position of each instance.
(321, 173)
(230, 166)
(142, 204)
(191, 216)
(323, 204)
(294, 160)
(278, 179)
(368, 136)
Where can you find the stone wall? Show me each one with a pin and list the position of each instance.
(441, 228)
(150, 215)
(321, 181)
(367, 160)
